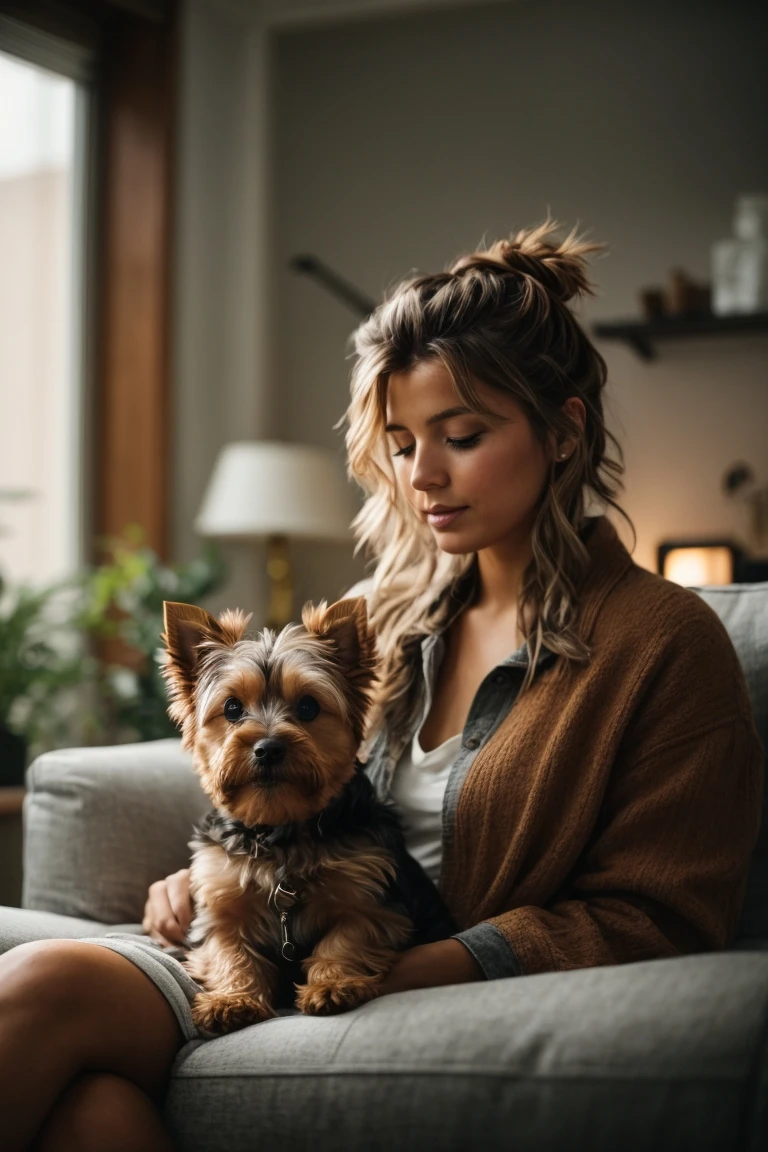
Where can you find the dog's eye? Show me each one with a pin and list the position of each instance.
(233, 709)
(307, 708)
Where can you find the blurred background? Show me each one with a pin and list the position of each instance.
(200, 200)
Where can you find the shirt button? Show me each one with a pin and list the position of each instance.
(499, 678)
(471, 743)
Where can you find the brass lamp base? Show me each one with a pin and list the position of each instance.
(280, 610)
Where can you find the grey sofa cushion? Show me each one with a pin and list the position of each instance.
(655, 1056)
(20, 925)
(101, 824)
(661, 1055)
(743, 609)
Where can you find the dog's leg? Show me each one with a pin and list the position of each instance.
(240, 983)
(348, 965)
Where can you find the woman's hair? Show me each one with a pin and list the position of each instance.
(501, 316)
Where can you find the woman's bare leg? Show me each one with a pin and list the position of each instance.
(101, 1112)
(68, 1007)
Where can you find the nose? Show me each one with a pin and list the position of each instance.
(268, 752)
(426, 472)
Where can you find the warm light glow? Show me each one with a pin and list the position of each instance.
(699, 566)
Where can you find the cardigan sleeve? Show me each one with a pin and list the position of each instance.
(665, 871)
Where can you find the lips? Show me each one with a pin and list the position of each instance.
(441, 519)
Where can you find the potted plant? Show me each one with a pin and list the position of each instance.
(78, 659)
(122, 610)
(39, 660)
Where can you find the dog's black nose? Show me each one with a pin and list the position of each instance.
(268, 752)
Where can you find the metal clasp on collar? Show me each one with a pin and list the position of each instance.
(287, 897)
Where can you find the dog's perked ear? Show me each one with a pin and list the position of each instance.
(346, 624)
(187, 627)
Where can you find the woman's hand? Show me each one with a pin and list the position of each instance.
(168, 910)
(428, 965)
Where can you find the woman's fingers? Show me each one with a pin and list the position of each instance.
(159, 917)
(179, 898)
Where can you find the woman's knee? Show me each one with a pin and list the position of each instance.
(43, 975)
(100, 1110)
(98, 1003)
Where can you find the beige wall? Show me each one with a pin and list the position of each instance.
(403, 141)
(386, 144)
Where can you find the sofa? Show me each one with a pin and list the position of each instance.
(668, 1054)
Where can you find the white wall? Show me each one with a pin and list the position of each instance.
(403, 141)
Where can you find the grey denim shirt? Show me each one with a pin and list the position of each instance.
(494, 698)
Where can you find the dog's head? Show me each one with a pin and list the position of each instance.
(273, 722)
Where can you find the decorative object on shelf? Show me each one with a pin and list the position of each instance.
(739, 481)
(740, 264)
(266, 489)
(682, 296)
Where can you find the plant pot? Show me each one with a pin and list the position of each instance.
(13, 759)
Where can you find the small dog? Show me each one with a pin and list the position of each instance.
(299, 871)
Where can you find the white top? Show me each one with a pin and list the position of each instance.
(419, 781)
(418, 788)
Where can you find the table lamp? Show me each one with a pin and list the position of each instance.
(266, 489)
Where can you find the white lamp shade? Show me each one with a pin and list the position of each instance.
(268, 488)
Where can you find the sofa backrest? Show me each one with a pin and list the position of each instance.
(743, 609)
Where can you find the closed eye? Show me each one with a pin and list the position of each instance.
(458, 444)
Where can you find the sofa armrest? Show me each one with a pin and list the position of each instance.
(101, 824)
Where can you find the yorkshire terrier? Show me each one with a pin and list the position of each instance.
(299, 871)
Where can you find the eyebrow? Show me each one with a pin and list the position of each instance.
(444, 415)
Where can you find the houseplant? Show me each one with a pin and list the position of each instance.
(78, 659)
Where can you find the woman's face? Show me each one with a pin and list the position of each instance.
(447, 456)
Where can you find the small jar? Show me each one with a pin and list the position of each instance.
(740, 266)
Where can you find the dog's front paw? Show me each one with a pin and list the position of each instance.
(220, 1012)
(327, 997)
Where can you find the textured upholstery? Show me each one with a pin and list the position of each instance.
(656, 1056)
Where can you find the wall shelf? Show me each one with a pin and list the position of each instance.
(641, 335)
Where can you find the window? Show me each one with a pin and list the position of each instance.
(43, 213)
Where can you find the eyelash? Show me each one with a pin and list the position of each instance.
(458, 445)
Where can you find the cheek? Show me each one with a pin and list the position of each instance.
(516, 469)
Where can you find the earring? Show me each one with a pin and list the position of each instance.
(562, 456)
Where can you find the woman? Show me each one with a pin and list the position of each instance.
(568, 737)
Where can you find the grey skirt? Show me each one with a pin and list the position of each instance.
(162, 964)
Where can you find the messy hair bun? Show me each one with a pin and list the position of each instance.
(559, 268)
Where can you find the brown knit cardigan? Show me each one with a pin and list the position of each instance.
(612, 815)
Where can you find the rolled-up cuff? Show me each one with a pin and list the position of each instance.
(491, 951)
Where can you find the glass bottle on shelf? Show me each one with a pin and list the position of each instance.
(740, 265)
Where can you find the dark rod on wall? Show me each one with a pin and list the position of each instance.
(338, 286)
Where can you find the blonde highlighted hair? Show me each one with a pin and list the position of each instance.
(499, 315)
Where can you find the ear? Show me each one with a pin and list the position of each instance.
(189, 631)
(185, 627)
(346, 624)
